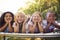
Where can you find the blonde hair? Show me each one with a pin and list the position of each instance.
(19, 14)
(37, 12)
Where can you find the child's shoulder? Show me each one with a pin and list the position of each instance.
(57, 22)
(30, 23)
(44, 21)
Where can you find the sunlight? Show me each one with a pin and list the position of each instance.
(12, 5)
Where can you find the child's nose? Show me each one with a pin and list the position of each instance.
(8, 17)
(19, 17)
(36, 17)
(51, 17)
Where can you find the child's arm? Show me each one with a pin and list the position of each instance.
(10, 28)
(32, 28)
(3, 27)
(16, 27)
(39, 25)
(47, 27)
(40, 28)
(56, 25)
(24, 28)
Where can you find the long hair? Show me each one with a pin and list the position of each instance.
(2, 21)
(37, 12)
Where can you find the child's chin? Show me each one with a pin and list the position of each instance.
(19, 21)
(36, 21)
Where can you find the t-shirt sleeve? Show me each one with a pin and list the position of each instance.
(30, 23)
(44, 23)
(27, 26)
(57, 22)
(14, 25)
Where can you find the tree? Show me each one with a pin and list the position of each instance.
(43, 6)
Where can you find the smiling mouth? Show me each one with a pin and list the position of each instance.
(9, 19)
(36, 19)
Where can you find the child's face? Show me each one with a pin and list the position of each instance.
(51, 17)
(36, 18)
(8, 17)
(21, 18)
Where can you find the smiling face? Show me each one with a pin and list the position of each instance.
(36, 17)
(8, 17)
(51, 17)
(20, 18)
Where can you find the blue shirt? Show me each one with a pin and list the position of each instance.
(6, 30)
(51, 28)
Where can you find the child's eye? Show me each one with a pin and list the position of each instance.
(10, 16)
(18, 16)
(6, 16)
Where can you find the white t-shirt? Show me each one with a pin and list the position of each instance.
(44, 22)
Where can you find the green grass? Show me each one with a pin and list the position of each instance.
(18, 38)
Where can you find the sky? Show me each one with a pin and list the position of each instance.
(11, 5)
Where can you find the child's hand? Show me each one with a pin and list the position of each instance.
(34, 21)
(52, 21)
(8, 21)
(39, 21)
(49, 23)
(16, 23)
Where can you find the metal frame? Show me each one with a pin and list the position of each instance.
(31, 35)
